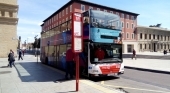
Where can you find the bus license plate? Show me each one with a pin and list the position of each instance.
(112, 74)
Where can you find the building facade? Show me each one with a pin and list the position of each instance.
(129, 20)
(8, 26)
(152, 39)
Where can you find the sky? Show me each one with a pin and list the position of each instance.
(31, 13)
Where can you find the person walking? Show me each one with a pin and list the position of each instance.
(11, 58)
(20, 55)
(23, 51)
(134, 54)
(69, 63)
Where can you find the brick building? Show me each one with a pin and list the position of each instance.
(129, 20)
(8, 26)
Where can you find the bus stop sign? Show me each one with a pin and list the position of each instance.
(77, 33)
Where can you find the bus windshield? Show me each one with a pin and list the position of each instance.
(101, 52)
(101, 19)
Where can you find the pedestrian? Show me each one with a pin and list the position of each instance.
(23, 51)
(20, 55)
(134, 54)
(11, 58)
(69, 63)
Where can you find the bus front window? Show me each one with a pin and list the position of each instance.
(105, 52)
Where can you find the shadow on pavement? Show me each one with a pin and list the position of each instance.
(98, 79)
(4, 67)
(33, 72)
(5, 72)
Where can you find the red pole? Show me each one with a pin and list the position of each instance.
(77, 71)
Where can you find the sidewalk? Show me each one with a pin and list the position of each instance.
(154, 65)
(30, 77)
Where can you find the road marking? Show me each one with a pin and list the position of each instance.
(102, 82)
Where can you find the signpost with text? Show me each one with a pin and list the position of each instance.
(77, 41)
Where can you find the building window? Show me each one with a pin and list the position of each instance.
(161, 37)
(63, 21)
(127, 16)
(67, 19)
(70, 8)
(140, 46)
(132, 36)
(158, 37)
(90, 7)
(66, 10)
(141, 36)
(132, 26)
(168, 37)
(83, 8)
(105, 10)
(111, 12)
(63, 12)
(70, 17)
(57, 16)
(127, 25)
(60, 15)
(117, 13)
(165, 38)
(153, 36)
(161, 46)
(122, 15)
(127, 35)
(145, 46)
(98, 9)
(132, 17)
(145, 36)
(3, 13)
(149, 36)
(10, 14)
(149, 46)
(123, 24)
(122, 35)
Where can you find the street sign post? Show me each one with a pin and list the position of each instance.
(77, 42)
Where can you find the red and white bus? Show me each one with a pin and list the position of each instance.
(102, 46)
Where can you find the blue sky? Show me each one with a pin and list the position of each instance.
(32, 12)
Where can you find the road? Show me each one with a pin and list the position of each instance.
(134, 81)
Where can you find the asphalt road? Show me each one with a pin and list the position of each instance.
(135, 81)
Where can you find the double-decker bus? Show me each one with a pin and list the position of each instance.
(102, 46)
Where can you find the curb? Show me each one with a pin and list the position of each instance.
(149, 70)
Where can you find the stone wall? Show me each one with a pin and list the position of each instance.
(8, 27)
(8, 32)
(12, 2)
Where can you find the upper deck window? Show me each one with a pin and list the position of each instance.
(103, 19)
